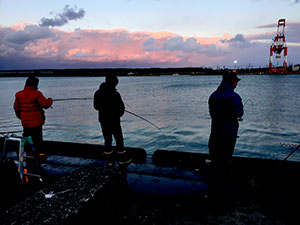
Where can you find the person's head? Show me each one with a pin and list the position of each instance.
(111, 80)
(32, 81)
(231, 78)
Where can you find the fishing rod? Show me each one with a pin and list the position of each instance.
(292, 152)
(134, 114)
(70, 99)
(145, 120)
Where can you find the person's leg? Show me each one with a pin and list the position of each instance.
(34, 164)
(107, 134)
(220, 150)
(37, 139)
(229, 145)
(214, 151)
(123, 156)
(118, 135)
(36, 133)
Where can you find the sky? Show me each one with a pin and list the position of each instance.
(61, 34)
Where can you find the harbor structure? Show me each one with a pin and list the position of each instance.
(277, 47)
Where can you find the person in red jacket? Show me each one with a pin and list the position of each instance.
(29, 104)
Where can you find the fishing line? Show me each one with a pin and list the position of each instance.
(10, 132)
(289, 144)
(248, 100)
(9, 126)
(134, 114)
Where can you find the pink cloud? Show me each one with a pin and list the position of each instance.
(119, 47)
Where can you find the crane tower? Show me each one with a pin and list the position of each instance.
(277, 46)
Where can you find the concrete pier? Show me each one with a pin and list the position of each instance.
(87, 196)
(168, 192)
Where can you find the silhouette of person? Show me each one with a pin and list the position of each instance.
(110, 106)
(225, 109)
(29, 107)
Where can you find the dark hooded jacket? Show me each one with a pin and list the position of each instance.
(108, 102)
(225, 107)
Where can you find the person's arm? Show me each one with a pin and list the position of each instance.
(96, 101)
(17, 108)
(44, 102)
(121, 105)
(238, 106)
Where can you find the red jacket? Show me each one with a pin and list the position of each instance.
(28, 106)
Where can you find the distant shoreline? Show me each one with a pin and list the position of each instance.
(193, 71)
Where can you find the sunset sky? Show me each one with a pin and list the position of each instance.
(54, 34)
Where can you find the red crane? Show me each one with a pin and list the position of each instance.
(277, 46)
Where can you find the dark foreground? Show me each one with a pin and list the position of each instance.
(165, 188)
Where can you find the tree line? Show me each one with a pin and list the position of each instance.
(129, 72)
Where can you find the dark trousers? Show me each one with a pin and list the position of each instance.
(36, 134)
(112, 128)
(221, 150)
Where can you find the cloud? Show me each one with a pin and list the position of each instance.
(272, 25)
(63, 18)
(150, 44)
(237, 38)
(237, 41)
(104, 48)
(33, 46)
(81, 55)
(94, 47)
(29, 34)
(292, 33)
(178, 44)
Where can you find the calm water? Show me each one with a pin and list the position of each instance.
(176, 104)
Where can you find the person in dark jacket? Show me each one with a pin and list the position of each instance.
(225, 109)
(110, 106)
(29, 107)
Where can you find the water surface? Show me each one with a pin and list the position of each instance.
(176, 104)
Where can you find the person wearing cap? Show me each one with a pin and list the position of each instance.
(110, 107)
(29, 107)
(225, 109)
